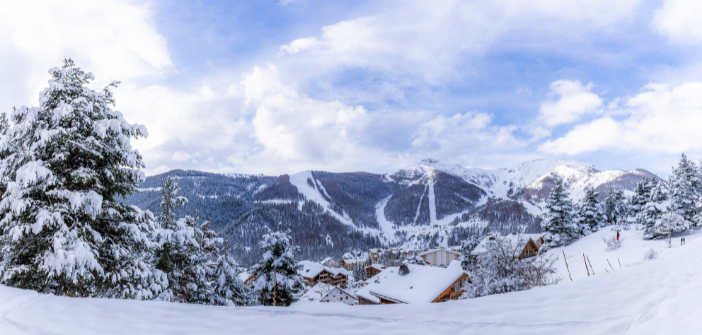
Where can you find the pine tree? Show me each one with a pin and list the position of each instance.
(276, 273)
(589, 213)
(359, 273)
(637, 202)
(615, 208)
(661, 218)
(558, 225)
(468, 262)
(685, 187)
(64, 228)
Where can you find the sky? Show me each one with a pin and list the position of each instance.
(281, 86)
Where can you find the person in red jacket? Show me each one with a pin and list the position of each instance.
(617, 235)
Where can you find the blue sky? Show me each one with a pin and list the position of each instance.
(281, 86)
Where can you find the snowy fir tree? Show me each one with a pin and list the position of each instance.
(359, 273)
(558, 226)
(638, 201)
(660, 217)
(64, 227)
(589, 214)
(184, 251)
(615, 208)
(685, 187)
(277, 279)
(414, 258)
(468, 262)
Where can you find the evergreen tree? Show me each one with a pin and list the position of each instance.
(468, 262)
(558, 226)
(638, 201)
(685, 186)
(180, 255)
(64, 228)
(589, 213)
(276, 273)
(359, 273)
(615, 208)
(661, 219)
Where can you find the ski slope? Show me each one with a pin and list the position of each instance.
(655, 297)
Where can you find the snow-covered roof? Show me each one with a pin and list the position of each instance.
(319, 291)
(434, 250)
(515, 239)
(244, 275)
(421, 285)
(312, 269)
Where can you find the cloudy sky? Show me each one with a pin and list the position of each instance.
(280, 86)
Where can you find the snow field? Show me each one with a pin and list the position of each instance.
(655, 297)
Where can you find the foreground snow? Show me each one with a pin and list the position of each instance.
(655, 297)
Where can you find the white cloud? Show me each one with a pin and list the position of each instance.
(574, 101)
(180, 156)
(679, 20)
(661, 119)
(429, 40)
(114, 39)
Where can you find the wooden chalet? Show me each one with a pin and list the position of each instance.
(529, 244)
(373, 270)
(414, 284)
(314, 273)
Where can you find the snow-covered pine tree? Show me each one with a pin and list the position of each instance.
(276, 273)
(615, 208)
(64, 228)
(181, 255)
(589, 214)
(468, 262)
(225, 286)
(638, 201)
(359, 273)
(685, 188)
(557, 225)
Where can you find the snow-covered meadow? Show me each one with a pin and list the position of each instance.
(652, 297)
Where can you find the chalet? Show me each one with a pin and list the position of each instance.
(328, 293)
(349, 261)
(439, 257)
(314, 273)
(374, 254)
(410, 284)
(330, 262)
(373, 270)
(528, 245)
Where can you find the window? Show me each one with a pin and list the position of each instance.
(457, 287)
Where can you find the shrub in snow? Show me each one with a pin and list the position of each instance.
(276, 273)
(612, 243)
(499, 271)
(67, 164)
(651, 255)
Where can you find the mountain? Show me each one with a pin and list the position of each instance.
(422, 206)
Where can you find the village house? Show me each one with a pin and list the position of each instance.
(314, 273)
(330, 262)
(439, 257)
(528, 245)
(410, 284)
(349, 261)
(373, 270)
(328, 293)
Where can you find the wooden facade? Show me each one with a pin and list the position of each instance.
(530, 250)
(326, 277)
(372, 271)
(454, 291)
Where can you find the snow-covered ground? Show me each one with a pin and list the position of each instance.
(654, 297)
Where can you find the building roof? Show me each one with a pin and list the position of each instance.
(319, 291)
(515, 239)
(434, 250)
(421, 285)
(312, 269)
